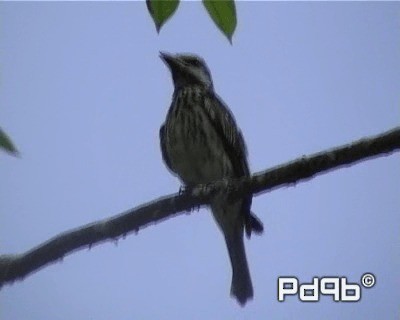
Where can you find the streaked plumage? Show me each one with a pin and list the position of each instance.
(201, 143)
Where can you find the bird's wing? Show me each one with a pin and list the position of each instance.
(163, 145)
(224, 124)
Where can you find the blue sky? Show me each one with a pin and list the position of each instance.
(83, 94)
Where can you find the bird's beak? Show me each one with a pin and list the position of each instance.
(171, 61)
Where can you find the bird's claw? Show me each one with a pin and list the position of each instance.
(185, 189)
(188, 190)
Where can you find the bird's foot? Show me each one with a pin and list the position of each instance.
(188, 190)
(185, 190)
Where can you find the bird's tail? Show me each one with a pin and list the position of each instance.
(230, 220)
(241, 287)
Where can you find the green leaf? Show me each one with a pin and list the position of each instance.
(6, 144)
(161, 10)
(223, 13)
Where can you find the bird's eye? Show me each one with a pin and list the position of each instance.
(193, 61)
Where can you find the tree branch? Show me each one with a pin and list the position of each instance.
(17, 266)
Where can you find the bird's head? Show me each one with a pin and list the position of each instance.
(187, 69)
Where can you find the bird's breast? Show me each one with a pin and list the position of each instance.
(195, 150)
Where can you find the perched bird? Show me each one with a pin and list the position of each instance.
(201, 143)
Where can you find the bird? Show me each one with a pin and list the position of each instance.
(200, 144)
